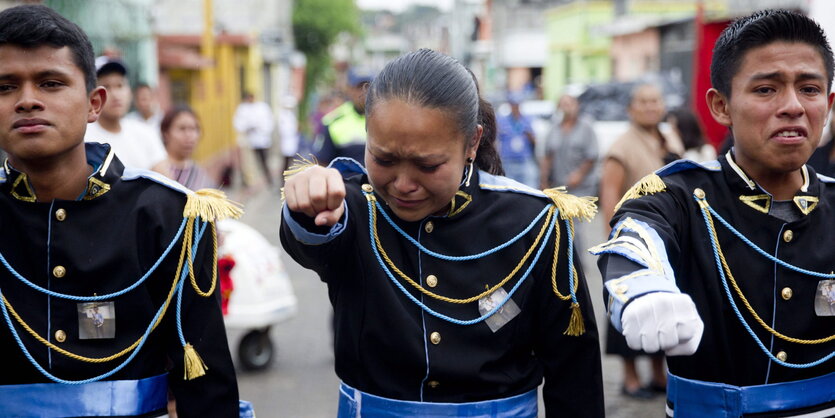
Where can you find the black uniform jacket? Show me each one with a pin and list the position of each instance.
(104, 242)
(783, 298)
(386, 345)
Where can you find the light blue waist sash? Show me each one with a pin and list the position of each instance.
(355, 403)
(102, 398)
(695, 398)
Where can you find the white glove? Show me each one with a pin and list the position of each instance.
(663, 321)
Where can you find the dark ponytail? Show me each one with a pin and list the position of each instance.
(430, 79)
(487, 158)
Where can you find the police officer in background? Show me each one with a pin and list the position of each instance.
(86, 238)
(720, 264)
(344, 127)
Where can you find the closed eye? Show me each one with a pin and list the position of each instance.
(51, 84)
(384, 163)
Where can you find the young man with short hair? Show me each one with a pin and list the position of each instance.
(719, 264)
(136, 143)
(147, 109)
(79, 229)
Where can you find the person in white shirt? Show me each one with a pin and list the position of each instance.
(147, 107)
(136, 144)
(255, 123)
(288, 129)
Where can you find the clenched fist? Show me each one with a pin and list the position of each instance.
(663, 321)
(317, 192)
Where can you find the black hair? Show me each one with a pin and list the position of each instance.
(430, 79)
(172, 114)
(142, 85)
(759, 29)
(688, 128)
(31, 26)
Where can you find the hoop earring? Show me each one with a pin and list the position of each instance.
(469, 171)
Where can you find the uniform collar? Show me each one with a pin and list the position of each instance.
(751, 194)
(106, 170)
(464, 196)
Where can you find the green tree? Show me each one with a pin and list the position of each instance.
(316, 24)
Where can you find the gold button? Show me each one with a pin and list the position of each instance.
(621, 289)
(699, 193)
(782, 356)
(60, 336)
(433, 384)
(431, 280)
(787, 293)
(788, 236)
(367, 188)
(59, 271)
(435, 337)
(429, 227)
(60, 214)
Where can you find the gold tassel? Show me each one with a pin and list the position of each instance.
(648, 185)
(194, 365)
(576, 326)
(571, 206)
(299, 164)
(211, 205)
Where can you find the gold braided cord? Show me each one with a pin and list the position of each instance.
(554, 264)
(128, 349)
(448, 299)
(742, 296)
(189, 238)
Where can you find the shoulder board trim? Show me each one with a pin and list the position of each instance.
(684, 165)
(347, 166)
(135, 173)
(825, 179)
(489, 181)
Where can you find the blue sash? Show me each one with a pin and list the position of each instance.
(355, 403)
(695, 398)
(102, 398)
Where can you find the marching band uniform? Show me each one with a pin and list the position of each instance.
(409, 352)
(662, 241)
(100, 244)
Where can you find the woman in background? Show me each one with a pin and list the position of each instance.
(686, 126)
(180, 134)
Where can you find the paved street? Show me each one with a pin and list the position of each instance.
(301, 381)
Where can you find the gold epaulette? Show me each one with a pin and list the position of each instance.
(211, 205)
(204, 205)
(648, 185)
(571, 206)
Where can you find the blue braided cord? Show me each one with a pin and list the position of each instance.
(570, 261)
(739, 314)
(102, 297)
(92, 379)
(440, 315)
(194, 247)
(464, 257)
(765, 254)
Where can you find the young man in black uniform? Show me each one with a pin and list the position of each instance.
(83, 234)
(732, 253)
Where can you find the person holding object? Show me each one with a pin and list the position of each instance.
(80, 228)
(445, 305)
(718, 264)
